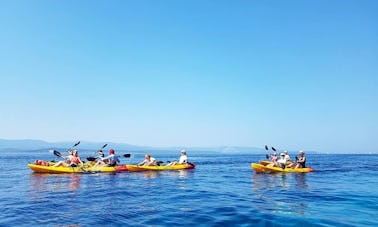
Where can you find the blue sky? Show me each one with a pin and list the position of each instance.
(292, 74)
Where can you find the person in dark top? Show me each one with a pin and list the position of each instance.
(301, 161)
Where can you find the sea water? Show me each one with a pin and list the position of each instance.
(222, 190)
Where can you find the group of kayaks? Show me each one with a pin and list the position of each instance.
(41, 166)
(261, 167)
(87, 168)
(90, 167)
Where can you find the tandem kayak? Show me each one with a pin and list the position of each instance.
(261, 168)
(85, 169)
(136, 168)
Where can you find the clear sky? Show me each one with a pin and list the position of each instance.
(292, 74)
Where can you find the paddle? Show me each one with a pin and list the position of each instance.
(57, 153)
(127, 155)
(91, 158)
(70, 149)
(102, 147)
(267, 155)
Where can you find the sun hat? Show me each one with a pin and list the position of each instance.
(282, 154)
(301, 152)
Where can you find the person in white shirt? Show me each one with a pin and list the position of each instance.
(282, 161)
(182, 160)
(289, 163)
(287, 156)
(110, 160)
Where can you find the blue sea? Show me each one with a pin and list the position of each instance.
(222, 190)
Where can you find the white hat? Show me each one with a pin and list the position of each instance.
(286, 152)
(282, 154)
(301, 152)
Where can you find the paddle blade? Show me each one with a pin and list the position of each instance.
(57, 153)
(127, 155)
(267, 156)
(274, 149)
(91, 159)
(266, 147)
(104, 146)
(76, 144)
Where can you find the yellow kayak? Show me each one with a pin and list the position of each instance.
(260, 168)
(136, 168)
(62, 169)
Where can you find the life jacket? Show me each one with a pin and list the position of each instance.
(303, 164)
(41, 163)
(75, 160)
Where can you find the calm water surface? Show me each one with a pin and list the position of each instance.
(222, 190)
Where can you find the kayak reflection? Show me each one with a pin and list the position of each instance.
(280, 193)
(42, 182)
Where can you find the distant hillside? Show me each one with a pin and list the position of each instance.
(40, 144)
(23, 144)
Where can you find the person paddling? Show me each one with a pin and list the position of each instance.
(110, 160)
(71, 160)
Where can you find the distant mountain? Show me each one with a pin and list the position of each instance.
(40, 144)
(23, 144)
(85, 145)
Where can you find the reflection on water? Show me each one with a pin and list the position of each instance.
(301, 180)
(75, 182)
(40, 182)
(182, 174)
(279, 193)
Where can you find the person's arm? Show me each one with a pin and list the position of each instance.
(107, 158)
(142, 162)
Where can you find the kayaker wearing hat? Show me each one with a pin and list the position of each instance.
(183, 159)
(282, 161)
(301, 161)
